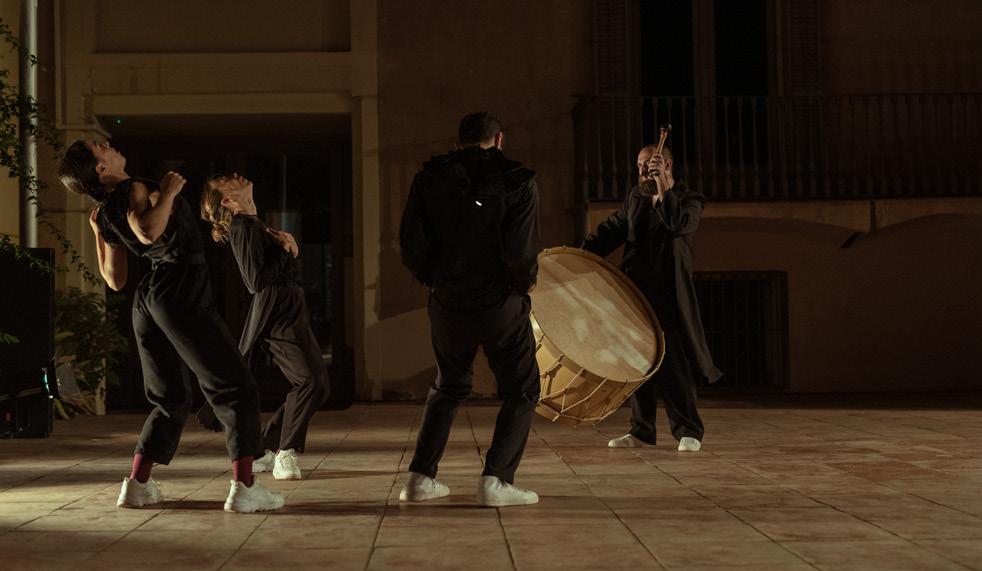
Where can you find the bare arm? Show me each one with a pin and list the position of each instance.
(150, 211)
(113, 265)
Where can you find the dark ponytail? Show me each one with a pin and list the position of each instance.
(77, 171)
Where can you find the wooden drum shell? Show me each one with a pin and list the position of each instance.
(572, 394)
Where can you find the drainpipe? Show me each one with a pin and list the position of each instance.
(28, 88)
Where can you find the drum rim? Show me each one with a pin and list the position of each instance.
(659, 332)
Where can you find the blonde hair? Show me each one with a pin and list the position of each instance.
(214, 213)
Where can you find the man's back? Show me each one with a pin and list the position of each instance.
(470, 230)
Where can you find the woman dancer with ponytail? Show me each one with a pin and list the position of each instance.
(278, 315)
(174, 320)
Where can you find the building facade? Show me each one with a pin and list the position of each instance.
(816, 127)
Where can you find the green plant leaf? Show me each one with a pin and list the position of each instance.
(87, 328)
(8, 339)
(42, 129)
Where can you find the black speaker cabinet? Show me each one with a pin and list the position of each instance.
(27, 312)
(28, 416)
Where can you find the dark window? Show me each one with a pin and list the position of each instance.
(745, 315)
(666, 48)
(741, 47)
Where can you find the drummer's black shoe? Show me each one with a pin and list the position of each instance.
(420, 488)
(627, 441)
(493, 491)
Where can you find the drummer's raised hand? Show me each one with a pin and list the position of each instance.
(661, 172)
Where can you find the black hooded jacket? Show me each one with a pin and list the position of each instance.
(470, 230)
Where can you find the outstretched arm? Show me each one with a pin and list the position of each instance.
(611, 233)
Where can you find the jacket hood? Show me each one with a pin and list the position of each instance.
(479, 166)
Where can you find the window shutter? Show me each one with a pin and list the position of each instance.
(804, 47)
(611, 47)
(803, 83)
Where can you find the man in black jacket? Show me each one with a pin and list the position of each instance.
(656, 224)
(470, 233)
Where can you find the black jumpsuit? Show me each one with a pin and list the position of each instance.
(279, 316)
(175, 323)
(470, 231)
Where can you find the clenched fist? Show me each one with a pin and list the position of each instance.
(172, 183)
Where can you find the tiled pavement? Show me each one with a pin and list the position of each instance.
(774, 488)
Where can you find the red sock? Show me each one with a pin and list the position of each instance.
(141, 468)
(242, 470)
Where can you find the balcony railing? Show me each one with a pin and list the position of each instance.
(788, 148)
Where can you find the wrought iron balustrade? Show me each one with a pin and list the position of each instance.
(787, 148)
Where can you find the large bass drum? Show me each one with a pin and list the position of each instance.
(597, 338)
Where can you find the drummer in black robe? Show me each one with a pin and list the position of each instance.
(278, 316)
(656, 224)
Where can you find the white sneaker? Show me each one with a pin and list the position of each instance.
(133, 494)
(689, 444)
(627, 441)
(264, 464)
(492, 491)
(420, 488)
(286, 466)
(255, 498)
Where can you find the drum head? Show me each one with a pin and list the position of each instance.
(595, 316)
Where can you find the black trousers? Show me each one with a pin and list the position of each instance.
(296, 352)
(505, 333)
(675, 385)
(175, 324)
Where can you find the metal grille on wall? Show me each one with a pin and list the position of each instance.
(745, 315)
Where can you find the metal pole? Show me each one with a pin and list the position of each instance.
(28, 88)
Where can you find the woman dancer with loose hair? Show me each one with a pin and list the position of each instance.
(174, 321)
(278, 315)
